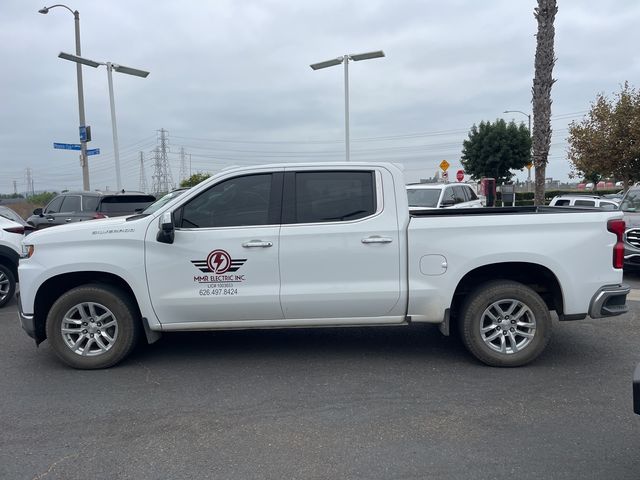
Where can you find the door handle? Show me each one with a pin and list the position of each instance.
(49, 219)
(67, 219)
(377, 239)
(257, 243)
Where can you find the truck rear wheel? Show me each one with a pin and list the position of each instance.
(7, 285)
(505, 324)
(92, 326)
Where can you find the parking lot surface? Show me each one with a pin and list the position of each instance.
(401, 402)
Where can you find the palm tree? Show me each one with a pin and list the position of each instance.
(545, 15)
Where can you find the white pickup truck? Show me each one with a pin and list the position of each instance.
(313, 245)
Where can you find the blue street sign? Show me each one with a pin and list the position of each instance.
(66, 146)
(83, 134)
(93, 151)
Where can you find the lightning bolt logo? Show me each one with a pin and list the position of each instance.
(219, 262)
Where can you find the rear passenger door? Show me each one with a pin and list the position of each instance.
(339, 246)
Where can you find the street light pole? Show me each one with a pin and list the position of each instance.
(118, 68)
(83, 142)
(345, 61)
(528, 118)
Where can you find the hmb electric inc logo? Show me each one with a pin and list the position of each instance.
(219, 262)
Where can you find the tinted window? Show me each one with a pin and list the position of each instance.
(471, 195)
(333, 196)
(125, 204)
(585, 203)
(423, 197)
(90, 203)
(54, 205)
(239, 201)
(71, 203)
(448, 195)
(458, 193)
(561, 202)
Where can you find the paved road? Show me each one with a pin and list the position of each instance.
(340, 403)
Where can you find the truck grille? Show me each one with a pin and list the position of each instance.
(633, 237)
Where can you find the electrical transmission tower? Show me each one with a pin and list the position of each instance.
(15, 188)
(183, 165)
(162, 178)
(29, 182)
(143, 176)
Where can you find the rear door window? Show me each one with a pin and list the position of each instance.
(585, 203)
(561, 202)
(471, 195)
(458, 194)
(71, 204)
(333, 196)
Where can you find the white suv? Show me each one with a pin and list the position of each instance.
(11, 234)
(425, 196)
(584, 201)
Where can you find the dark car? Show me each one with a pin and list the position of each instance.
(630, 206)
(72, 207)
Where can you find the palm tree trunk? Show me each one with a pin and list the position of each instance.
(545, 15)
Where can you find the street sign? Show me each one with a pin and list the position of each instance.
(444, 165)
(460, 175)
(93, 151)
(85, 134)
(66, 146)
(529, 165)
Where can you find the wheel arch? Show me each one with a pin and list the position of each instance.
(54, 287)
(538, 277)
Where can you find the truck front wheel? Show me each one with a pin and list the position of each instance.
(92, 326)
(505, 324)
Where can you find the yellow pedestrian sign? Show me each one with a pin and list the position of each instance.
(444, 165)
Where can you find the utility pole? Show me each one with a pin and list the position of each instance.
(183, 165)
(15, 188)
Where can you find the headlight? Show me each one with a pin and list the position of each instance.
(27, 250)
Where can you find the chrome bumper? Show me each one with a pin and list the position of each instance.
(609, 301)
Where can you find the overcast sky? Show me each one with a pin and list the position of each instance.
(230, 81)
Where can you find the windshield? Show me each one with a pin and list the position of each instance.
(631, 202)
(163, 201)
(423, 197)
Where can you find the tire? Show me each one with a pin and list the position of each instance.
(7, 285)
(505, 324)
(93, 326)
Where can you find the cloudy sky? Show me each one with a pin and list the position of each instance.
(230, 81)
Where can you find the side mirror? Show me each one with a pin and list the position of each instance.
(166, 230)
(38, 211)
(447, 203)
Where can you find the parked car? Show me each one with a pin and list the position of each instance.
(630, 207)
(11, 214)
(426, 196)
(594, 201)
(72, 207)
(11, 234)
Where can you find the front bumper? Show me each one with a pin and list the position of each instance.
(636, 390)
(26, 321)
(609, 301)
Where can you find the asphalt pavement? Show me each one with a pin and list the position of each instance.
(361, 403)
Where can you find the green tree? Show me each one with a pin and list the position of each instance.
(544, 62)
(194, 179)
(606, 141)
(494, 149)
(42, 198)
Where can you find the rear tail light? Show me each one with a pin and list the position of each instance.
(617, 227)
(19, 230)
